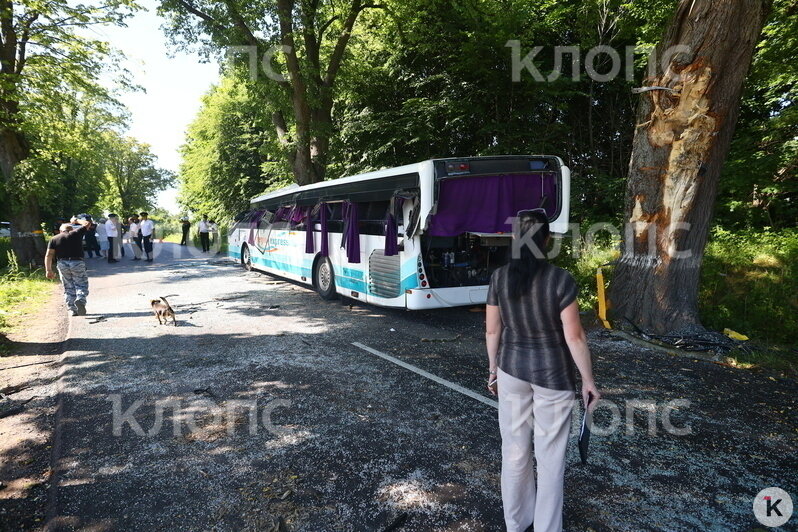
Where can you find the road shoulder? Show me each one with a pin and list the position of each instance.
(28, 382)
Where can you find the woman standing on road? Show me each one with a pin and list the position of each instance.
(534, 337)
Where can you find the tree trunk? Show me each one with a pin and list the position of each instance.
(680, 143)
(27, 237)
(27, 240)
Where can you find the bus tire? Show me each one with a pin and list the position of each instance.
(324, 279)
(246, 258)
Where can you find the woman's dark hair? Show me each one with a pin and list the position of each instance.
(532, 226)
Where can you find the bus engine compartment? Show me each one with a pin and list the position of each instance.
(468, 259)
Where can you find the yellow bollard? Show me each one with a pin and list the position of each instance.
(602, 299)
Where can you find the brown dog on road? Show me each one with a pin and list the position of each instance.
(162, 309)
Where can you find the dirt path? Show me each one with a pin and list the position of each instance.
(155, 428)
(28, 378)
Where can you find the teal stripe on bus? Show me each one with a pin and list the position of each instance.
(348, 278)
(349, 272)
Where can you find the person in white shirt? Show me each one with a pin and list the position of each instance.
(112, 233)
(135, 237)
(147, 231)
(102, 237)
(204, 233)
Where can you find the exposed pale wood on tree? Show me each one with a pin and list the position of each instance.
(680, 143)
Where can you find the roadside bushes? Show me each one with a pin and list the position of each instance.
(749, 281)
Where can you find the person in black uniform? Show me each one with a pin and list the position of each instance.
(67, 247)
(186, 226)
(92, 245)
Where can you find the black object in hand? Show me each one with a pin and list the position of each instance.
(584, 434)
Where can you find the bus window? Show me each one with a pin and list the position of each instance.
(264, 228)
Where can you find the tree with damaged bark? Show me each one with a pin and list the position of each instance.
(300, 81)
(41, 54)
(685, 123)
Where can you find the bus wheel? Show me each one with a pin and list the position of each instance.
(324, 278)
(246, 258)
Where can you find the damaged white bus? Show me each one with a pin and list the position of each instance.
(425, 235)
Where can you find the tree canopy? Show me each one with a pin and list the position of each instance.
(428, 79)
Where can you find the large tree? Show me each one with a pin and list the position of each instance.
(230, 154)
(43, 47)
(313, 36)
(131, 175)
(685, 121)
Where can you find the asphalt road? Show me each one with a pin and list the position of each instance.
(345, 440)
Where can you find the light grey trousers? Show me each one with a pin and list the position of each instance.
(522, 407)
(75, 281)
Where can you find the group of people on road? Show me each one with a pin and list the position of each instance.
(103, 239)
(107, 237)
(207, 230)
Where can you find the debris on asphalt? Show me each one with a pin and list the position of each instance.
(206, 392)
(442, 339)
(8, 390)
(12, 408)
(230, 298)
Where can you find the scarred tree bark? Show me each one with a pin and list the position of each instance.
(682, 138)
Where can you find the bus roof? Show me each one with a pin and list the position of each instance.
(377, 174)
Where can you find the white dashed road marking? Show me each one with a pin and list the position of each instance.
(428, 375)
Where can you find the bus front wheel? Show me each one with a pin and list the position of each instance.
(246, 258)
(324, 279)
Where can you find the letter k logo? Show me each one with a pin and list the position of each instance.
(772, 506)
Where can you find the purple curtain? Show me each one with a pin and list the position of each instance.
(391, 247)
(282, 214)
(296, 215)
(309, 231)
(325, 247)
(351, 240)
(483, 204)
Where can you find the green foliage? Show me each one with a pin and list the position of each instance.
(749, 283)
(582, 258)
(20, 292)
(226, 157)
(758, 184)
(58, 92)
(69, 153)
(131, 176)
(165, 222)
(50, 59)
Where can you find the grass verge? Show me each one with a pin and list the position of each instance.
(21, 293)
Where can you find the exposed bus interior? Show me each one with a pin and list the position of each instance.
(465, 260)
(468, 236)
